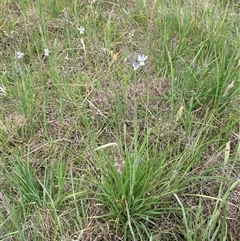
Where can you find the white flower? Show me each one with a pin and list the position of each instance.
(135, 65)
(46, 52)
(81, 29)
(141, 58)
(20, 54)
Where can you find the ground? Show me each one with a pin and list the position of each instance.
(119, 120)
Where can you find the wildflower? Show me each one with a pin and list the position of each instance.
(81, 29)
(46, 52)
(20, 54)
(136, 65)
(141, 58)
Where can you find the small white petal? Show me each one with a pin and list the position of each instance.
(135, 66)
(81, 29)
(46, 52)
(20, 54)
(142, 57)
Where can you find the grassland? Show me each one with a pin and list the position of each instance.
(119, 120)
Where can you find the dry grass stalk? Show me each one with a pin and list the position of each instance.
(118, 161)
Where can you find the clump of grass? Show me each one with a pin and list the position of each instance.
(136, 199)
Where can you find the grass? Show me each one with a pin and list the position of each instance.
(91, 149)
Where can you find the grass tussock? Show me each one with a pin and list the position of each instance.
(119, 120)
